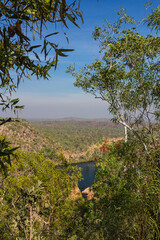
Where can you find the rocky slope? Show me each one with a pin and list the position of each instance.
(21, 133)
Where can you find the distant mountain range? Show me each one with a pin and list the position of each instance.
(72, 119)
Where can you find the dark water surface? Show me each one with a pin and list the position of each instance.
(88, 170)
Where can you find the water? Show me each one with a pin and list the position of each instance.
(88, 170)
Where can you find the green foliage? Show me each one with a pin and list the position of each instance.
(35, 199)
(21, 24)
(6, 152)
(77, 136)
(8, 103)
(128, 188)
(126, 201)
(20, 18)
(153, 19)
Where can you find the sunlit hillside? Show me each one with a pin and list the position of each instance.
(23, 134)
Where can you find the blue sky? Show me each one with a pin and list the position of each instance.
(58, 98)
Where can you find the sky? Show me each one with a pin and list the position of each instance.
(57, 97)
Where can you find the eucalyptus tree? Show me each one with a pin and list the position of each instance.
(126, 203)
(127, 76)
(34, 200)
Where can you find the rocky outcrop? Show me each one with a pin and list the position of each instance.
(76, 193)
(88, 193)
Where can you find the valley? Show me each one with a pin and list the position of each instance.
(77, 139)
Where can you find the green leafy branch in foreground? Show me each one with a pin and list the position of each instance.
(20, 18)
(35, 197)
(22, 23)
(6, 152)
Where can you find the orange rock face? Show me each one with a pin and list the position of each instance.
(88, 193)
(76, 193)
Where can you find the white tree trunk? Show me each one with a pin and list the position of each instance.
(125, 134)
(135, 133)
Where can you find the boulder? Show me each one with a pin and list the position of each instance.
(88, 193)
(76, 193)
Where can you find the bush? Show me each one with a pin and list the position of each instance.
(35, 199)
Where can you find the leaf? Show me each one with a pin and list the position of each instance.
(66, 37)
(51, 34)
(36, 55)
(7, 152)
(36, 46)
(15, 101)
(34, 33)
(19, 107)
(60, 53)
(61, 50)
(45, 43)
(72, 20)
(66, 50)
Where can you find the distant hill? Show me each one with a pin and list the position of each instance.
(71, 119)
(76, 122)
(23, 134)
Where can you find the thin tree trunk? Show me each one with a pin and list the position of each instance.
(52, 227)
(135, 133)
(125, 134)
(31, 222)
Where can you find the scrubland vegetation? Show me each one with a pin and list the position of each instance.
(77, 136)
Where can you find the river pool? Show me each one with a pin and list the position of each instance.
(88, 170)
